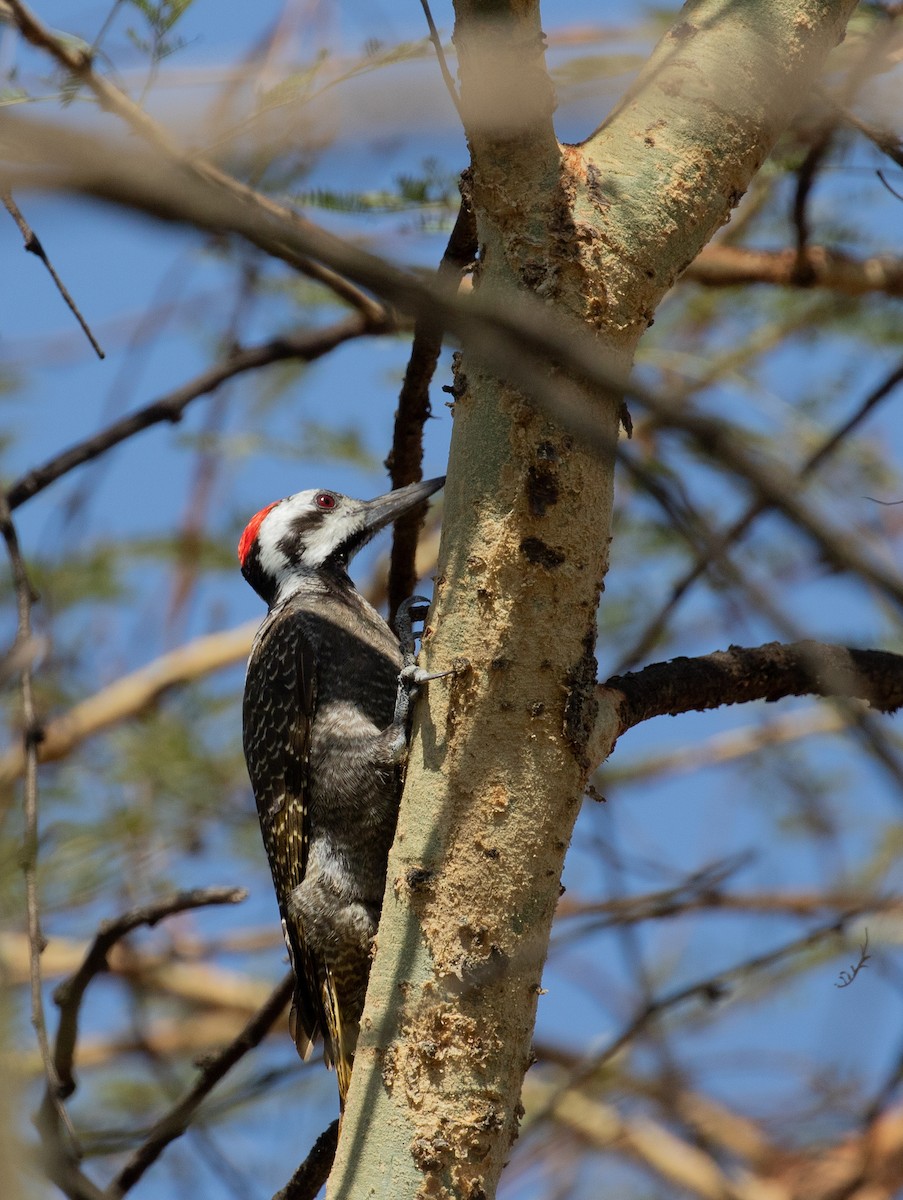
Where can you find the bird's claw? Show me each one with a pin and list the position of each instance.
(413, 609)
(410, 677)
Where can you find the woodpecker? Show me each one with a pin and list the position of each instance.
(324, 730)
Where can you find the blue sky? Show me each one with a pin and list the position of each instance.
(120, 268)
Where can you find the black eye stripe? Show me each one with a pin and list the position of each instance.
(291, 544)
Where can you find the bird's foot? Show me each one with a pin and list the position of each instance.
(411, 676)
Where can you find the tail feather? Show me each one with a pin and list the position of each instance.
(304, 1041)
(338, 1051)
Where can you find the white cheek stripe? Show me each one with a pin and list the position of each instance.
(321, 540)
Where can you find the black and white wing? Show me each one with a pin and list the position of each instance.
(280, 694)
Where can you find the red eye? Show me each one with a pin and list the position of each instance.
(325, 500)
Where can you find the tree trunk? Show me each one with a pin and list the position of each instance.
(599, 231)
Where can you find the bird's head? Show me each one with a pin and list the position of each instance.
(316, 532)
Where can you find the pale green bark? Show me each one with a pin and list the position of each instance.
(501, 754)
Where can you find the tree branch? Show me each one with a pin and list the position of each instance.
(112, 99)
(731, 266)
(31, 737)
(769, 672)
(69, 994)
(404, 462)
(34, 246)
(516, 340)
(722, 541)
(314, 1171)
(133, 693)
(304, 344)
(174, 1123)
(61, 1151)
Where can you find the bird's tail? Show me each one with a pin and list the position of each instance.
(340, 1041)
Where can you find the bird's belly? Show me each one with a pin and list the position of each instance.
(354, 795)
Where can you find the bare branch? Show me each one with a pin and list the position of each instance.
(304, 344)
(314, 1171)
(60, 1145)
(34, 246)
(174, 1123)
(79, 63)
(440, 55)
(517, 340)
(710, 990)
(730, 266)
(70, 993)
(768, 672)
(405, 457)
(738, 528)
(31, 737)
(132, 693)
(847, 977)
(701, 895)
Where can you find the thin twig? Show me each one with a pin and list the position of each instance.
(31, 736)
(699, 895)
(440, 55)
(847, 977)
(80, 64)
(34, 246)
(314, 1171)
(516, 341)
(174, 1123)
(711, 990)
(893, 191)
(69, 994)
(823, 667)
(655, 626)
(304, 344)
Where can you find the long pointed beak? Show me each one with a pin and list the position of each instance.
(384, 509)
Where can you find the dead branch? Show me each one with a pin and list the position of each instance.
(405, 457)
(733, 266)
(70, 993)
(174, 1123)
(304, 344)
(769, 672)
(34, 245)
(314, 1171)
